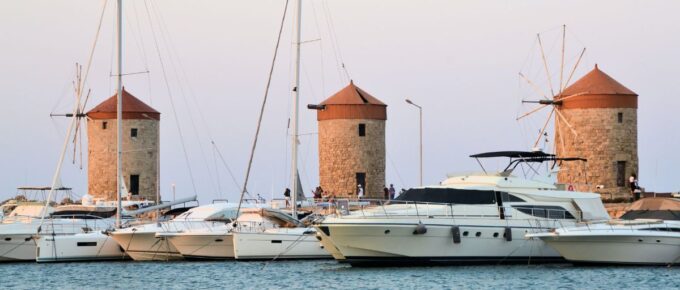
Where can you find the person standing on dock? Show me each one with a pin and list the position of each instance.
(386, 193)
(360, 191)
(286, 195)
(392, 191)
(632, 180)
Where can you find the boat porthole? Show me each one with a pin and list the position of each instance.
(218, 240)
(658, 241)
(27, 239)
(478, 234)
(495, 235)
(639, 240)
(8, 239)
(465, 234)
(387, 231)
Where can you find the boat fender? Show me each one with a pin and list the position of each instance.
(508, 234)
(420, 229)
(455, 230)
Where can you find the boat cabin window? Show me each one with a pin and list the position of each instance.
(545, 211)
(508, 197)
(449, 195)
(662, 229)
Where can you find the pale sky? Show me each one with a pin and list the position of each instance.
(458, 59)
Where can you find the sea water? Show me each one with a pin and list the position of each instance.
(326, 274)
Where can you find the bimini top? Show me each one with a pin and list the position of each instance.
(352, 103)
(517, 157)
(133, 108)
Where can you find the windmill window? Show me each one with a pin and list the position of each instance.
(362, 130)
(620, 117)
(104, 125)
(133, 133)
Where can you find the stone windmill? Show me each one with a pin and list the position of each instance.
(594, 118)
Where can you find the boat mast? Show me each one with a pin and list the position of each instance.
(296, 104)
(119, 114)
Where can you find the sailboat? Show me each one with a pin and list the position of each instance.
(257, 232)
(270, 240)
(87, 240)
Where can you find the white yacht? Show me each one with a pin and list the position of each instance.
(257, 234)
(19, 228)
(471, 218)
(141, 242)
(647, 234)
(272, 234)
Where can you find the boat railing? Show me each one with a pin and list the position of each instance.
(373, 208)
(623, 225)
(72, 226)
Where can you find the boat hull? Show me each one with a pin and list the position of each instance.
(95, 246)
(213, 246)
(390, 242)
(145, 246)
(17, 248)
(278, 245)
(620, 249)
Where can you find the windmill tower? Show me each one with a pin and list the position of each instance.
(141, 144)
(603, 117)
(594, 118)
(352, 143)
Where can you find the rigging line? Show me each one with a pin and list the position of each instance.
(318, 30)
(338, 59)
(141, 42)
(401, 180)
(264, 102)
(172, 102)
(135, 36)
(224, 162)
(165, 35)
(336, 42)
(81, 86)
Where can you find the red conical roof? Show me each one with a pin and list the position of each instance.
(133, 108)
(352, 95)
(352, 103)
(596, 82)
(597, 90)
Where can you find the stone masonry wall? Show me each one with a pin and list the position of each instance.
(140, 157)
(603, 141)
(343, 153)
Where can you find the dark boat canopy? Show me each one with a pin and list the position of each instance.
(512, 154)
(654, 208)
(448, 195)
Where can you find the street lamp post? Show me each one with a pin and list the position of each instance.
(420, 110)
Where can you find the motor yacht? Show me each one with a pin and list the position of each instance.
(142, 243)
(468, 218)
(257, 234)
(270, 234)
(20, 228)
(647, 234)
